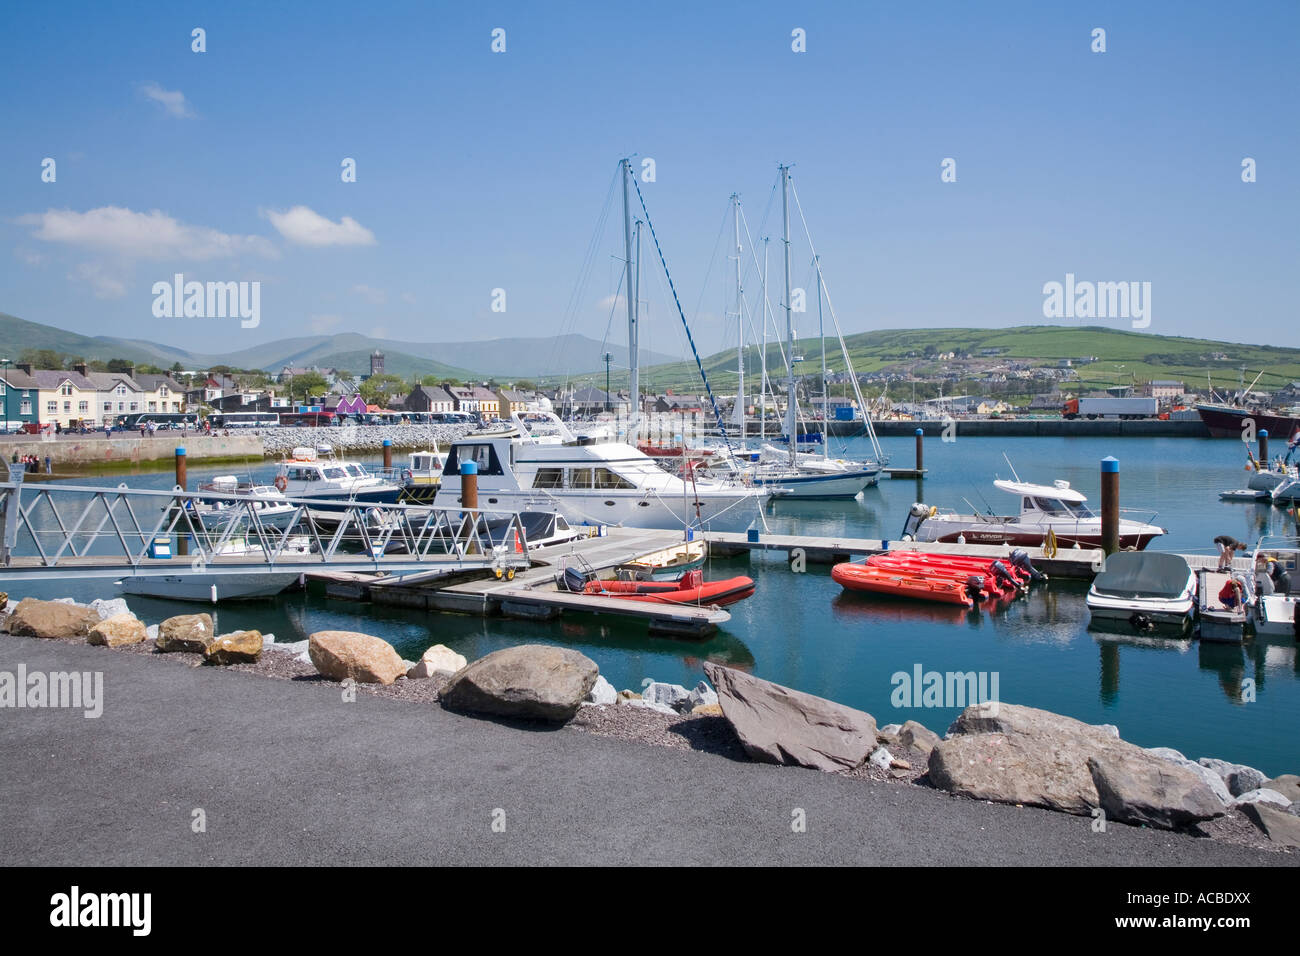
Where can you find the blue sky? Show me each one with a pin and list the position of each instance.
(478, 171)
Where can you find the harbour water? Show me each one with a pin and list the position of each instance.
(800, 630)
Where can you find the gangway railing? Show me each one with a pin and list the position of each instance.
(56, 527)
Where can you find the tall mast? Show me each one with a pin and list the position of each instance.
(636, 358)
(762, 393)
(634, 386)
(740, 323)
(821, 333)
(790, 423)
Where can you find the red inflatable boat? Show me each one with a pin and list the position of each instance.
(903, 583)
(691, 588)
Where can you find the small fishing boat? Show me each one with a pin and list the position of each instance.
(1217, 619)
(272, 508)
(1277, 602)
(330, 483)
(691, 588)
(666, 564)
(1145, 589)
(421, 477)
(1244, 494)
(915, 584)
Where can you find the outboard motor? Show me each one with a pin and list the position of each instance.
(1020, 559)
(574, 580)
(915, 515)
(975, 587)
(1003, 574)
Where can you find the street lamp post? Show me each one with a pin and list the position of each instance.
(4, 364)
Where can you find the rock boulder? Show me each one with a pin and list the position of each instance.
(340, 655)
(438, 659)
(51, 619)
(185, 632)
(532, 681)
(1012, 754)
(779, 725)
(237, 647)
(118, 630)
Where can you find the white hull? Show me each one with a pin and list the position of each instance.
(1169, 613)
(1276, 615)
(810, 487)
(200, 587)
(717, 511)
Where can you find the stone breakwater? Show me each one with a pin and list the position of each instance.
(995, 752)
(277, 442)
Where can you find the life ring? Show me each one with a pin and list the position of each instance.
(406, 475)
(281, 483)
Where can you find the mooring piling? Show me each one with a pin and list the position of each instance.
(1110, 504)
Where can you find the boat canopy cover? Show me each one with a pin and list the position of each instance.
(1061, 491)
(1152, 574)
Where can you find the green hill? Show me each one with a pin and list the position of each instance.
(1143, 357)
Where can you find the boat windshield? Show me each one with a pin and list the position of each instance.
(1061, 509)
(336, 473)
(356, 471)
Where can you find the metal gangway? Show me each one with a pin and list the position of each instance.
(55, 531)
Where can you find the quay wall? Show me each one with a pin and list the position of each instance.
(1038, 427)
(87, 450)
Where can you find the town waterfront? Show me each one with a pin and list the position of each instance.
(801, 631)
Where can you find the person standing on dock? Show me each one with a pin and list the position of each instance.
(1228, 547)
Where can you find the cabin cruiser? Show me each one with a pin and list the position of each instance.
(421, 477)
(1146, 589)
(1277, 596)
(1055, 509)
(545, 467)
(314, 474)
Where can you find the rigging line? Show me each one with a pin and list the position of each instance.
(584, 275)
(717, 412)
(778, 341)
(844, 349)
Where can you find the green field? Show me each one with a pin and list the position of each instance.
(1123, 357)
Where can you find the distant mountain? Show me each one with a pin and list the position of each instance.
(501, 358)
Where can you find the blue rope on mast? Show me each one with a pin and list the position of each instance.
(717, 413)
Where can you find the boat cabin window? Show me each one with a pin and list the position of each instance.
(356, 471)
(1052, 506)
(483, 455)
(580, 478)
(301, 474)
(336, 473)
(604, 478)
(549, 478)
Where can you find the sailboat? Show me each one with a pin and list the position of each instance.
(790, 473)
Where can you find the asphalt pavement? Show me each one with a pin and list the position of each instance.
(287, 773)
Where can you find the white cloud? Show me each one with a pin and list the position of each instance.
(612, 301)
(373, 296)
(172, 101)
(307, 227)
(105, 286)
(140, 235)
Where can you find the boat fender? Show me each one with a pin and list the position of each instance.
(281, 483)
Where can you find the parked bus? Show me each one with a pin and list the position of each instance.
(307, 419)
(163, 420)
(244, 420)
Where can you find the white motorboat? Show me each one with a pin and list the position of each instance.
(327, 482)
(809, 476)
(1220, 620)
(1277, 595)
(1056, 509)
(272, 508)
(547, 468)
(223, 586)
(1145, 590)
